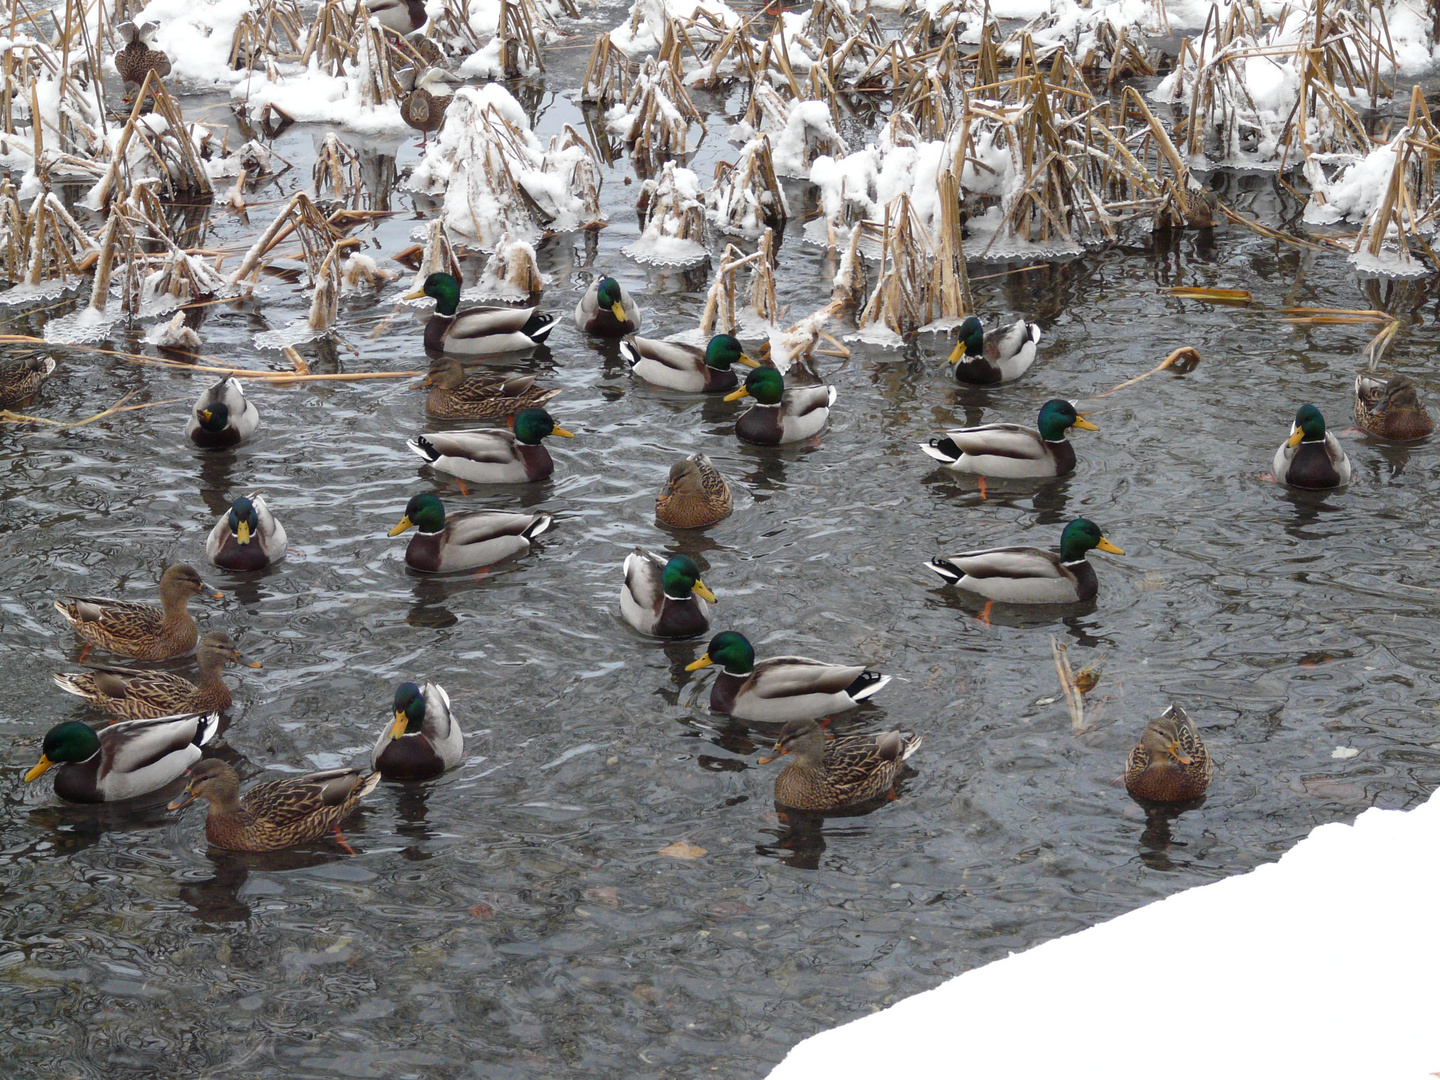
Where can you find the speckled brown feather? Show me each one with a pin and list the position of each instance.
(694, 495)
(278, 813)
(832, 774)
(21, 378)
(134, 694)
(456, 396)
(423, 111)
(1391, 410)
(137, 58)
(142, 631)
(1152, 773)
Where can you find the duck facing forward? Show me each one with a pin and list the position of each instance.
(124, 760)
(142, 631)
(779, 415)
(464, 541)
(1030, 575)
(135, 694)
(423, 740)
(607, 310)
(1391, 410)
(1010, 450)
(477, 331)
(1170, 762)
(223, 416)
(694, 495)
(247, 537)
(494, 455)
(664, 597)
(836, 774)
(986, 360)
(689, 368)
(278, 813)
(1311, 457)
(781, 688)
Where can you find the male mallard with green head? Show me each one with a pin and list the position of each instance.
(247, 536)
(781, 688)
(1011, 451)
(423, 740)
(779, 415)
(607, 310)
(483, 330)
(664, 597)
(1030, 575)
(985, 360)
(1311, 457)
(445, 542)
(688, 368)
(494, 455)
(124, 760)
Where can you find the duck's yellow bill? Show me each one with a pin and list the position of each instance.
(242, 534)
(398, 728)
(703, 662)
(418, 294)
(1178, 754)
(619, 309)
(1083, 424)
(958, 354)
(1295, 437)
(701, 591)
(39, 770)
(185, 798)
(1106, 545)
(736, 395)
(205, 414)
(405, 523)
(747, 362)
(562, 431)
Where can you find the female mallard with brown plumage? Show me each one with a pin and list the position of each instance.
(124, 760)
(834, 774)
(1390, 410)
(21, 377)
(483, 330)
(424, 107)
(138, 58)
(423, 740)
(1170, 762)
(143, 631)
(694, 495)
(133, 694)
(276, 814)
(455, 395)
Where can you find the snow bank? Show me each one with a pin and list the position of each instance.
(1318, 966)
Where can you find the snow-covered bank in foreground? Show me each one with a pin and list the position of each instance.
(1321, 965)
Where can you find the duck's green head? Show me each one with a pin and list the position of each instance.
(607, 295)
(215, 418)
(723, 351)
(424, 512)
(1079, 537)
(765, 384)
(731, 651)
(682, 577)
(1309, 425)
(409, 709)
(532, 425)
(70, 741)
(972, 340)
(244, 521)
(443, 288)
(1056, 416)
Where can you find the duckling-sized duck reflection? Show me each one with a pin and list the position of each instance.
(827, 774)
(278, 813)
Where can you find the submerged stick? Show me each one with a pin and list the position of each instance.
(1073, 697)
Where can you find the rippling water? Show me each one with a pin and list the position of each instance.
(516, 919)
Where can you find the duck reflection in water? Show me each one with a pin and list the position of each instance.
(411, 812)
(431, 593)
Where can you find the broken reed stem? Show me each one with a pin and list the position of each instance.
(116, 408)
(1185, 352)
(1073, 697)
(213, 366)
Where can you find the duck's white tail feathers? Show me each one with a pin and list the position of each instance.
(423, 447)
(542, 523)
(63, 681)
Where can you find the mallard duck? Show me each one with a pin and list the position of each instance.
(677, 366)
(782, 688)
(833, 774)
(20, 378)
(1390, 410)
(1170, 762)
(477, 331)
(423, 740)
(138, 59)
(402, 16)
(124, 760)
(694, 495)
(424, 106)
(780, 415)
(1311, 457)
(278, 813)
(128, 628)
(606, 309)
(457, 396)
(464, 541)
(494, 455)
(1029, 575)
(985, 361)
(132, 694)
(664, 598)
(222, 417)
(1012, 451)
(246, 538)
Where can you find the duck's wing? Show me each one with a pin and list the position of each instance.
(999, 440)
(1005, 562)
